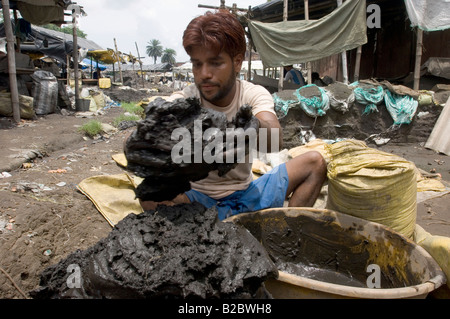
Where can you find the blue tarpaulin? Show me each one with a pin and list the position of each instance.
(86, 63)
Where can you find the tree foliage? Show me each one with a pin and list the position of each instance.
(65, 29)
(154, 49)
(169, 56)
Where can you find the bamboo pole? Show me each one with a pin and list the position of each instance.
(132, 65)
(249, 71)
(285, 17)
(418, 58)
(120, 66)
(11, 61)
(75, 58)
(357, 63)
(308, 64)
(68, 70)
(140, 63)
(344, 57)
(15, 23)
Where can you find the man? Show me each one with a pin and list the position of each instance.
(294, 75)
(216, 44)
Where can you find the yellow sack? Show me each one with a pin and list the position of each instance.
(99, 100)
(112, 195)
(426, 183)
(104, 83)
(437, 246)
(120, 159)
(26, 109)
(92, 104)
(259, 167)
(372, 185)
(315, 145)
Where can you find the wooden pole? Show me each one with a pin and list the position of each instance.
(418, 58)
(249, 71)
(11, 61)
(344, 57)
(357, 63)
(140, 63)
(285, 17)
(132, 65)
(75, 58)
(120, 66)
(308, 64)
(15, 23)
(114, 72)
(68, 69)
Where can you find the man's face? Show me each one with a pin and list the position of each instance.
(215, 75)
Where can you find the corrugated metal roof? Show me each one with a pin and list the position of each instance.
(82, 43)
(158, 67)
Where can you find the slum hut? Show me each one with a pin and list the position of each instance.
(27, 43)
(390, 50)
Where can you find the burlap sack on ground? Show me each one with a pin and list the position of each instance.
(373, 185)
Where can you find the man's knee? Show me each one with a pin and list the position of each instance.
(318, 162)
(313, 161)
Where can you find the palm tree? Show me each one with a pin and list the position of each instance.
(169, 56)
(154, 49)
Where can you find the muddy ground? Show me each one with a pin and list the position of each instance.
(44, 218)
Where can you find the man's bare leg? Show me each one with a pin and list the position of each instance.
(307, 173)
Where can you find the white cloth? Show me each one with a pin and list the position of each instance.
(429, 15)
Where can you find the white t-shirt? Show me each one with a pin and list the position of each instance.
(241, 176)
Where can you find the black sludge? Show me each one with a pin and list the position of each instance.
(149, 148)
(180, 251)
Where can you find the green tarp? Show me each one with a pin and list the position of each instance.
(292, 42)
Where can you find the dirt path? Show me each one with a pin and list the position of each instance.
(46, 217)
(43, 217)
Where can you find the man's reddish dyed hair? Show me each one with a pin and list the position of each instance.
(218, 31)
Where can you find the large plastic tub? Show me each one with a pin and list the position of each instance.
(325, 254)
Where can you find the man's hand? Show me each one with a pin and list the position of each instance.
(245, 119)
(151, 205)
(241, 138)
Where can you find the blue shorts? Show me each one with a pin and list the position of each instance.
(267, 191)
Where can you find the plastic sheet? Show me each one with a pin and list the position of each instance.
(313, 106)
(369, 96)
(45, 92)
(401, 107)
(282, 106)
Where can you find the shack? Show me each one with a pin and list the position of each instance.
(392, 38)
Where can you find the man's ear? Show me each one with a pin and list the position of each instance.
(238, 59)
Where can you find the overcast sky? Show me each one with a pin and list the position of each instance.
(139, 21)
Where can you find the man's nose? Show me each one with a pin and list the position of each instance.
(205, 72)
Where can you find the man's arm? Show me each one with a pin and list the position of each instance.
(288, 76)
(270, 122)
